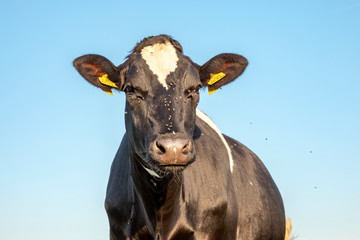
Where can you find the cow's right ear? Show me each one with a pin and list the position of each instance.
(100, 72)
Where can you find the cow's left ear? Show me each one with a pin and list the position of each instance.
(100, 72)
(221, 70)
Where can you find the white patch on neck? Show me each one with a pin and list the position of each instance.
(161, 59)
(209, 122)
(151, 172)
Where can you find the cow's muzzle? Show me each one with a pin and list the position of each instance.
(172, 150)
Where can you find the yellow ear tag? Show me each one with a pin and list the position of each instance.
(106, 81)
(108, 92)
(212, 90)
(214, 78)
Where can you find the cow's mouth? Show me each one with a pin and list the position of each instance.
(173, 167)
(161, 170)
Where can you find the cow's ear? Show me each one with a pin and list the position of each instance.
(100, 72)
(221, 70)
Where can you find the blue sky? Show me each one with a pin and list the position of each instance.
(296, 106)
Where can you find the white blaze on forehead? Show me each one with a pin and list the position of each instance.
(161, 59)
(206, 119)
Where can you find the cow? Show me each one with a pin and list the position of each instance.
(175, 175)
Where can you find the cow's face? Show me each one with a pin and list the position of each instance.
(162, 92)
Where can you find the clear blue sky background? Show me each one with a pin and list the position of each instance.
(296, 105)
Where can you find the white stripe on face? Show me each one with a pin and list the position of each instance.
(209, 122)
(161, 59)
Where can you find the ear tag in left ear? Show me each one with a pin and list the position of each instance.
(108, 92)
(106, 81)
(214, 78)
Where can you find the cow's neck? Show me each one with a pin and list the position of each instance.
(159, 198)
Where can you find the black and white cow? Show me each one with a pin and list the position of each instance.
(175, 176)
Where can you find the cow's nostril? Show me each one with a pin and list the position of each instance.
(185, 149)
(160, 148)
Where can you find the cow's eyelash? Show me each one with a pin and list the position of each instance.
(129, 88)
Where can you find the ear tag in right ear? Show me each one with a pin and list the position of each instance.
(214, 78)
(106, 81)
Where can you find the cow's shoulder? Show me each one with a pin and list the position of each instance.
(256, 189)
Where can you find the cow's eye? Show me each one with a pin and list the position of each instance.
(193, 91)
(134, 93)
(129, 89)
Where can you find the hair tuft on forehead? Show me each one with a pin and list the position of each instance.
(149, 41)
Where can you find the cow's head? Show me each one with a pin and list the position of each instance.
(162, 92)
